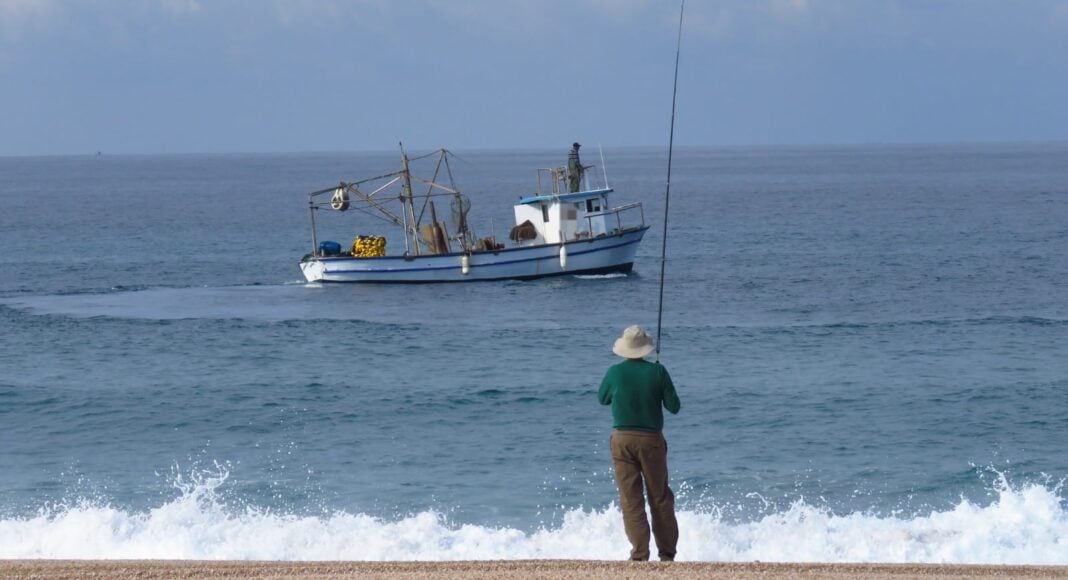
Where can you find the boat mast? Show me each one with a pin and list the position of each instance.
(667, 189)
(315, 234)
(463, 232)
(409, 204)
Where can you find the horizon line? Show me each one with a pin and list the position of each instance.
(842, 144)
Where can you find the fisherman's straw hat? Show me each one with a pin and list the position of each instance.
(635, 343)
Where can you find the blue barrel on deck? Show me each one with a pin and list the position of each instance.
(329, 249)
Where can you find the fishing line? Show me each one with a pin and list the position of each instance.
(667, 189)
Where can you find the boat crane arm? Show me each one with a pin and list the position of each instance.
(383, 176)
(380, 189)
(332, 189)
(321, 191)
(435, 184)
(367, 198)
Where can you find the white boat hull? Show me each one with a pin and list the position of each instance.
(605, 254)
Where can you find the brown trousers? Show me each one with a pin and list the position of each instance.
(642, 456)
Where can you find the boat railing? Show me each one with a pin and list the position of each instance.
(618, 213)
(557, 178)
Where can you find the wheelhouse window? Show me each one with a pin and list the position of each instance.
(545, 213)
(593, 205)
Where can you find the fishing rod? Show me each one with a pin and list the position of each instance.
(667, 189)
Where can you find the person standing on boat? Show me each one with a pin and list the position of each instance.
(574, 168)
(638, 390)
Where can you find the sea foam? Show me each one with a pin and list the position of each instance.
(1023, 525)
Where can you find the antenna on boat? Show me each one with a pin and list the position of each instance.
(604, 168)
(667, 189)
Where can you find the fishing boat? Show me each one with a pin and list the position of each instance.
(557, 231)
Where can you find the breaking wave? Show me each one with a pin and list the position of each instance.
(1023, 525)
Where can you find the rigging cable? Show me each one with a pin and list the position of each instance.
(667, 189)
(497, 179)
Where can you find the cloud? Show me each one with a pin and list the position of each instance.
(16, 8)
(16, 15)
(721, 21)
(21, 19)
(181, 7)
(789, 8)
(325, 12)
(1060, 12)
(519, 21)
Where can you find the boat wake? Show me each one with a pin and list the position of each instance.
(303, 301)
(259, 302)
(600, 276)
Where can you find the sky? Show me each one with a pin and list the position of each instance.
(222, 76)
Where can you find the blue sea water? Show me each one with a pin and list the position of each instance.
(868, 341)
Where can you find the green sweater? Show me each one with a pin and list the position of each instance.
(636, 389)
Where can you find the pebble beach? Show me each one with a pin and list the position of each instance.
(557, 569)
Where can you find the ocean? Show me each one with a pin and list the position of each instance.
(868, 342)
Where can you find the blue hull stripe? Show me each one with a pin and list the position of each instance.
(624, 268)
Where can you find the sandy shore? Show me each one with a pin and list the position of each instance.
(503, 569)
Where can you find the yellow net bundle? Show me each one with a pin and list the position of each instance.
(369, 246)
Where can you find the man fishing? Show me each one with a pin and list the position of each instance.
(637, 390)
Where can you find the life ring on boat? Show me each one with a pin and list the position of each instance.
(340, 201)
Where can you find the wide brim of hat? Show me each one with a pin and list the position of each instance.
(631, 352)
